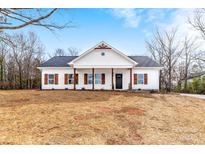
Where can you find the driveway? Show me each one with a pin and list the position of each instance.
(194, 95)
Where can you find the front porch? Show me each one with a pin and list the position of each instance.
(102, 78)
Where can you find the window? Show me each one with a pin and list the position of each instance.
(70, 78)
(51, 79)
(98, 79)
(140, 78)
(90, 78)
(102, 53)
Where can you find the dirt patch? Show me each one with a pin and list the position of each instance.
(53, 128)
(22, 100)
(86, 117)
(131, 111)
(118, 139)
(8, 143)
(145, 95)
(105, 111)
(102, 109)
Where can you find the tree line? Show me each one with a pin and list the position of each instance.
(18, 61)
(180, 56)
(20, 58)
(20, 53)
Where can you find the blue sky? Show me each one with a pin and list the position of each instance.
(125, 29)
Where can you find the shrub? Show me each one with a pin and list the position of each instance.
(196, 86)
(201, 89)
(83, 88)
(178, 89)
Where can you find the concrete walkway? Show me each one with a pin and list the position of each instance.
(194, 95)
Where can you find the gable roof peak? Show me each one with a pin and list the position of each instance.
(102, 45)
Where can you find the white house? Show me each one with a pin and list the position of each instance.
(100, 68)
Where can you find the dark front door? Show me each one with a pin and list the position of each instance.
(118, 78)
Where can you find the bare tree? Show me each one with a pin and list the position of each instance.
(13, 18)
(17, 18)
(165, 49)
(178, 73)
(24, 51)
(157, 52)
(73, 51)
(189, 50)
(198, 23)
(3, 53)
(12, 82)
(35, 49)
(18, 51)
(59, 52)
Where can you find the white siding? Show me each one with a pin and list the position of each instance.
(110, 60)
(60, 72)
(153, 78)
(106, 86)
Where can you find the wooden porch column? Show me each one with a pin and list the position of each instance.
(74, 82)
(93, 78)
(130, 78)
(112, 80)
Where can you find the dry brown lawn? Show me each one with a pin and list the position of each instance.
(93, 117)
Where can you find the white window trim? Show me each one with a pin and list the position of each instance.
(138, 79)
(51, 79)
(90, 78)
(100, 78)
(70, 79)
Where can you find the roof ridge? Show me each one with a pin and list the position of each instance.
(138, 56)
(62, 61)
(65, 56)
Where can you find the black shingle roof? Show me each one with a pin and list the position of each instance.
(62, 61)
(58, 61)
(144, 61)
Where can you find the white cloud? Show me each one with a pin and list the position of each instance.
(154, 15)
(179, 20)
(130, 16)
(133, 17)
(164, 19)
